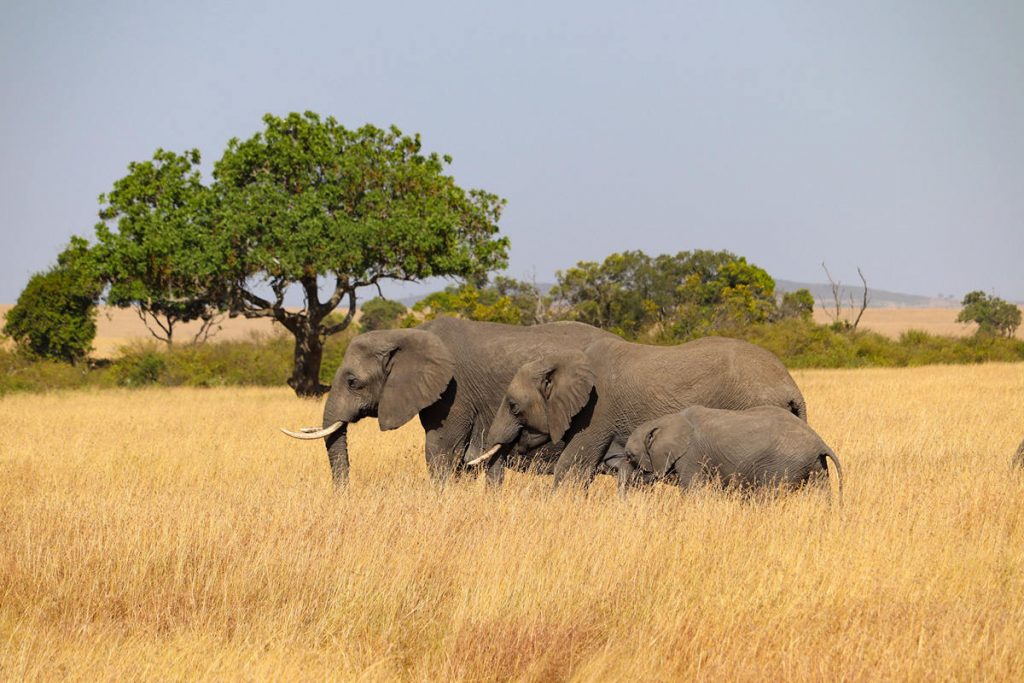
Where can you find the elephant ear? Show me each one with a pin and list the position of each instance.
(566, 387)
(659, 463)
(417, 368)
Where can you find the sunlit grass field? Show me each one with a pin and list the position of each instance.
(176, 534)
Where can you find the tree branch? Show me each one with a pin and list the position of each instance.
(206, 329)
(864, 304)
(835, 294)
(144, 317)
(333, 329)
(258, 307)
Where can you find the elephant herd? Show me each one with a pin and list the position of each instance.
(572, 400)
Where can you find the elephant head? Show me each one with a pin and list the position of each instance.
(388, 374)
(656, 445)
(540, 403)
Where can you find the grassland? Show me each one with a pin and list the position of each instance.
(892, 322)
(173, 533)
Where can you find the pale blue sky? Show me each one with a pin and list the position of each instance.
(880, 134)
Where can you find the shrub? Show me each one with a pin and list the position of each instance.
(139, 368)
(55, 316)
(798, 304)
(381, 314)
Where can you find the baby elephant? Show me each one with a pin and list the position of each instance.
(765, 446)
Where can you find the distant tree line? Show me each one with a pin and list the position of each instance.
(308, 205)
(661, 298)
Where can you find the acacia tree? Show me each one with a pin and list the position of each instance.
(993, 315)
(154, 247)
(681, 295)
(617, 294)
(307, 202)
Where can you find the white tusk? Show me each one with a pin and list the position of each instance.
(310, 433)
(486, 456)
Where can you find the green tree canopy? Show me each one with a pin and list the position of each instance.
(307, 202)
(686, 294)
(381, 314)
(55, 316)
(504, 301)
(155, 247)
(798, 304)
(993, 315)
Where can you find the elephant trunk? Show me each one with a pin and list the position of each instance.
(504, 429)
(337, 454)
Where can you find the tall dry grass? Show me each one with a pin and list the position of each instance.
(174, 534)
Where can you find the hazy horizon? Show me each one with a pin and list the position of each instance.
(890, 138)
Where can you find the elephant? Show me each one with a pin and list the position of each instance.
(594, 399)
(451, 372)
(756, 447)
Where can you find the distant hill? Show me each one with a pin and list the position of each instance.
(877, 298)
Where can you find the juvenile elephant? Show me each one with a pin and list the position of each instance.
(765, 446)
(450, 372)
(594, 399)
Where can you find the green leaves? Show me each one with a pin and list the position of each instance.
(680, 296)
(55, 316)
(381, 314)
(308, 198)
(993, 315)
(506, 301)
(798, 304)
(155, 245)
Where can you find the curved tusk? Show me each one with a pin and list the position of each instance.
(486, 456)
(310, 433)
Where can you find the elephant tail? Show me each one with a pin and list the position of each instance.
(829, 455)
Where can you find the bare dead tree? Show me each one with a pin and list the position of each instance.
(540, 313)
(837, 293)
(864, 302)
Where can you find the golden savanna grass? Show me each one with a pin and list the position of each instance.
(892, 322)
(175, 534)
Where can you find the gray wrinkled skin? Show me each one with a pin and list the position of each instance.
(452, 374)
(765, 446)
(593, 400)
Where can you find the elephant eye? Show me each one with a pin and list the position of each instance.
(649, 439)
(352, 382)
(513, 408)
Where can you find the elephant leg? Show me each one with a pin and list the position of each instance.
(581, 457)
(445, 448)
(625, 472)
(691, 474)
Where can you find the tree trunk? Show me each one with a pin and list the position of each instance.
(309, 353)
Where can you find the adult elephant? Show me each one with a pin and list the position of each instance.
(594, 399)
(450, 372)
